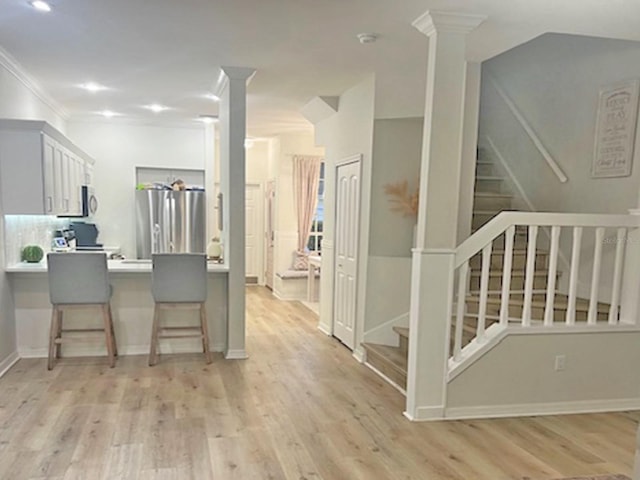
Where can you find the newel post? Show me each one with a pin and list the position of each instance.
(630, 293)
(440, 183)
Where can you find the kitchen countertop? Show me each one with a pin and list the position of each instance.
(114, 266)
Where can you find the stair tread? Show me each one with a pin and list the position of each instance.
(497, 272)
(493, 212)
(402, 331)
(392, 355)
(488, 177)
(560, 300)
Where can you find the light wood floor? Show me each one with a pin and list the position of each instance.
(300, 408)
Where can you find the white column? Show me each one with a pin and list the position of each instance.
(233, 125)
(440, 182)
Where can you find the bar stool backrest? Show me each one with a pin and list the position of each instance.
(78, 278)
(179, 278)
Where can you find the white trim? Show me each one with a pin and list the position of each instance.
(358, 354)
(236, 355)
(385, 378)
(530, 132)
(425, 414)
(496, 333)
(433, 251)
(552, 408)
(21, 74)
(431, 22)
(8, 362)
(326, 329)
(346, 161)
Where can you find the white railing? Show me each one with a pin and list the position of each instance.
(529, 130)
(483, 281)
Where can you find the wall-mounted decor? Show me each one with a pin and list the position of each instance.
(615, 130)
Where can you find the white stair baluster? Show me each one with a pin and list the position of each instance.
(529, 275)
(617, 276)
(573, 276)
(592, 317)
(484, 292)
(506, 275)
(463, 279)
(549, 311)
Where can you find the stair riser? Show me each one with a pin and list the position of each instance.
(484, 185)
(492, 203)
(517, 283)
(519, 261)
(537, 313)
(382, 364)
(404, 344)
(485, 170)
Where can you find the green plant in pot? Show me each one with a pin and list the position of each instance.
(32, 254)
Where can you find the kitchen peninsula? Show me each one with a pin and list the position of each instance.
(132, 307)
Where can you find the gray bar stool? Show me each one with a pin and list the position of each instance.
(179, 281)
(79, 280)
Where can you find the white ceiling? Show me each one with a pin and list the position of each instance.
(170, 51)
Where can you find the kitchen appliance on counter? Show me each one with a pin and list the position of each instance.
(170, 221)
(86, 235)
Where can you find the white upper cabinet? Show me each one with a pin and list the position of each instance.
(41, 171)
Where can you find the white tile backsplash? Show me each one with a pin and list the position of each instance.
(21, 230)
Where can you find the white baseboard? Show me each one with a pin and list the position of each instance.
(326, 329)
(426, 414)
(553, 408)
(387, 379)
(359, 355)
(9, 361)
(236, 355)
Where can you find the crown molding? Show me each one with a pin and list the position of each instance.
(138, 122)
(13, 67)
(431, 22)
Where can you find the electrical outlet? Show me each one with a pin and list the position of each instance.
(561, 362)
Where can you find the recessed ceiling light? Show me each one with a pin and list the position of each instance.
(93, 87)
(367, 37)
(109, 114)
(208, 119)
(40, 5)
(213, 97)
(156, 108)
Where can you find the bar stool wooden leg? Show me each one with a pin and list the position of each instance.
(113, 333)
(52, 336)
(205, 333)
(59, 333)
(153, 350)
(107, 331)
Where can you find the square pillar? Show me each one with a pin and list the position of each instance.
(440, 183)
(233, 126)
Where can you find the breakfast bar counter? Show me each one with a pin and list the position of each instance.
(132, 306)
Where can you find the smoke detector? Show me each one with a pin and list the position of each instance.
(367, 37)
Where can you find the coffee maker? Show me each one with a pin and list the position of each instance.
(86, 236)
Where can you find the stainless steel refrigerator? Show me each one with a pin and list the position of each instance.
(170, 221)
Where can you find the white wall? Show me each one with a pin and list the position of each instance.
(518, 375)
(346, 133)
(17, 100)
(119, 148)
(397, 147)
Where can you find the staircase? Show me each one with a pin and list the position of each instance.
(490, 198)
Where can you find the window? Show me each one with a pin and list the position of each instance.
(315, 237)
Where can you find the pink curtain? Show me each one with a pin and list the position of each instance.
(306, 177)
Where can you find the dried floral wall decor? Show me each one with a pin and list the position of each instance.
(402, 200)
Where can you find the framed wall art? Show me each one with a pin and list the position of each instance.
(615, 130)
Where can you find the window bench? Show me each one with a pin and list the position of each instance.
(292, 284)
